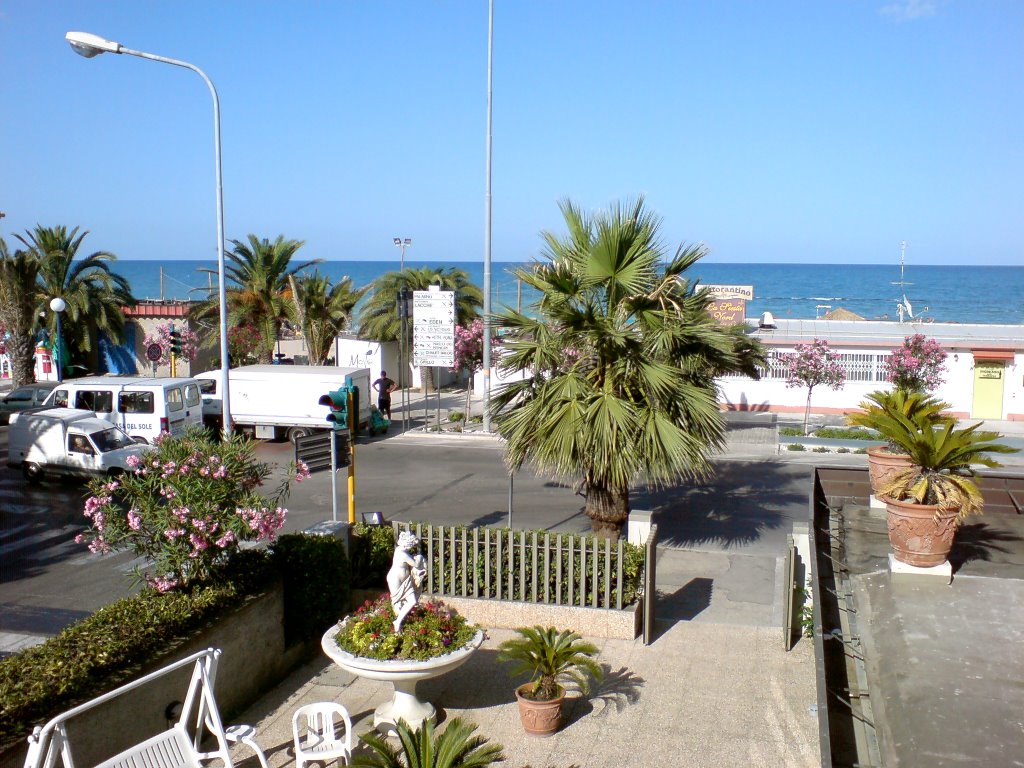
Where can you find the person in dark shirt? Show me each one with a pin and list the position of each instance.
(384, 387)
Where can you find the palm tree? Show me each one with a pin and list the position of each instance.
(620, 360)
(260, 296)
(95, 295)
(18, 276)
(455, 747)
(378, 319)
(323, 311)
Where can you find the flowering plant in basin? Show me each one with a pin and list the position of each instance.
(430, 629)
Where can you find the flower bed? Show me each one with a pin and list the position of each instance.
(430, 630)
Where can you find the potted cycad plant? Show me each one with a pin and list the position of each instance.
(457, 745)
(896, 415)
(927, 501)
(550, 657)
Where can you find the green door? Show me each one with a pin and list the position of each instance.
(988, 389)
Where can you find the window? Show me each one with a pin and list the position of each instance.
(60, 398)
(111, 439)
(135, 402)
(78, 444)
(98, 400)
(20, 395)
(192, 395)
(174, 402)
(208, 386)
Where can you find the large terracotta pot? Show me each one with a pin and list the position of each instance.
(883, 465)
(920, 534)
(540, 718)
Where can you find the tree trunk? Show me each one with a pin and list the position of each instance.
(427, 379)
(807, 408)
(21, 350)
(608, 510)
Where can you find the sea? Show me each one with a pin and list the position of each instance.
(944, 294)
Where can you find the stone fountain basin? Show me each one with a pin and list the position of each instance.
(403, 674)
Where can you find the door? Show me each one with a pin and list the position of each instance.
(988, 389)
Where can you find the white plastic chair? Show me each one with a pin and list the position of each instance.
(318, 737)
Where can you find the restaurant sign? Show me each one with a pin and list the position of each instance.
(730, 302)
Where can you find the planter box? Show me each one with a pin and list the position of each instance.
(254, 660)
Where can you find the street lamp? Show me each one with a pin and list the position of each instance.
(58, 305)
(403, 244)
(89, 45)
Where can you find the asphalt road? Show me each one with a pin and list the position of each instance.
(47, 581)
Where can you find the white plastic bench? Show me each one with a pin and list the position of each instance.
(177, 747)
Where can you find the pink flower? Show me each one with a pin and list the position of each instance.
(134, 519)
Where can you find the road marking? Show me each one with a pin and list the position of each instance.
(34, 540)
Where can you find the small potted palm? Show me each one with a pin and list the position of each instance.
(927, 501)
(896, 415)
(457, 745)
(550, 657)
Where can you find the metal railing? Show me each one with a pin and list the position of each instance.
(530, 566)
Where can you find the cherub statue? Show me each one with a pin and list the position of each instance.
(405, 577)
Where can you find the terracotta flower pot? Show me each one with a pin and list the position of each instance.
(917, 535)
(883, 465)
(540, 718)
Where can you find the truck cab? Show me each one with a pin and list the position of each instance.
(68, 442)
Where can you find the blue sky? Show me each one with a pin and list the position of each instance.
(770, 131)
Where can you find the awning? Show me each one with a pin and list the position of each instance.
(992, 354)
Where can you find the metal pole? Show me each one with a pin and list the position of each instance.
(56, 350)
(334, 476)
(353, 420)
(437, 386)
(510, 499)
(487, 226)
(222, 289)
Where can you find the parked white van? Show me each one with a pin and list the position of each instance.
(142, 407)
(70, 442)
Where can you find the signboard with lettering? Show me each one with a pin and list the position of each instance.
(433, 328)
(730, 304)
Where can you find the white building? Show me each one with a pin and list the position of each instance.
(984, 376)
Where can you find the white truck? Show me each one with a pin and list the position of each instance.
(68, 441)
(281, 401)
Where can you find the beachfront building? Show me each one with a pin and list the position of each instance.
(984, 376)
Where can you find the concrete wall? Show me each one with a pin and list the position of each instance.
(254, 659)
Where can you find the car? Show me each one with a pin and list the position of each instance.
(20, 398)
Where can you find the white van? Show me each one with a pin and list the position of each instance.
(142, 407)
(70, 442)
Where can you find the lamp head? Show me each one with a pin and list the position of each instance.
(89, 45)
(398, 241)
(408, 241)
(58, 304)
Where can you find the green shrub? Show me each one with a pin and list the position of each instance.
(847, 433)
(109, 647)
(821, 449)
(316, 579)
(372, 549)
(456, 416)
(791, 431)
(476, 419)
(842, 450)
(796, 447)
(861, 450)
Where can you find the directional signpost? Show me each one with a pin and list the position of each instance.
(433, 338)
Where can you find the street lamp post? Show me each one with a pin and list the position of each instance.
(58, 305)
(403, 244)
(89, 45)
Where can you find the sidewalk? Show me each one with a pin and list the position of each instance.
(703, 694)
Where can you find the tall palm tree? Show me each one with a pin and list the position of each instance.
(95, 295)
(620, 358)
(18, 276)
(323, 311)
(379, 320)
(258, 291)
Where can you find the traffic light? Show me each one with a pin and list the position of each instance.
(175, 342)
(338, 401)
